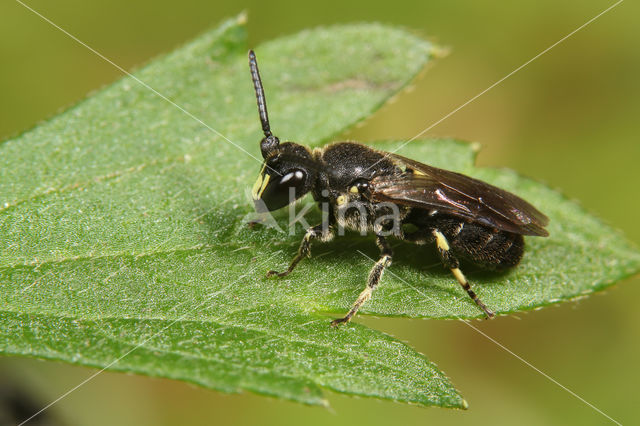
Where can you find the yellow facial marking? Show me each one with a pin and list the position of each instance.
(353, 189)
(256, 188)
(459, 276)
(265, 181)
(260, 186)
(256, 191)
(441, 240)
(341, 200)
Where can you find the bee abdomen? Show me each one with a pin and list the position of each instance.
(488, 247)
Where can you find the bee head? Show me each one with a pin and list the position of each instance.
(287, 174)
(288, 170)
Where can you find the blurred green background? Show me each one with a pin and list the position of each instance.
(569, 119)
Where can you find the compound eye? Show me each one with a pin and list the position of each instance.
(359, 186)
(284, 190)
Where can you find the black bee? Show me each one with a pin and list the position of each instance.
(373, 191)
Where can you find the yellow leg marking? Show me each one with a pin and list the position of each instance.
(443, 245)
(459, 276)
(441, 240)
(341, 200)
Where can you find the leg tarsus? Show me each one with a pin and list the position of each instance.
(374, 278)
(271, 273)
(301, 254)
(362, 298)
(304, 250)
(336, 322)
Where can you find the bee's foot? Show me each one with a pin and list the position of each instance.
(279, 274)
(337, 322)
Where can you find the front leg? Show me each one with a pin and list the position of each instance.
(322, 231)
(374, 278)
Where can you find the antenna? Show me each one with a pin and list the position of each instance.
(262, 102)
(270, 142)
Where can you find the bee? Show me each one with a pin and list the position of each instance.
(372, 191)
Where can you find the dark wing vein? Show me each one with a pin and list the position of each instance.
(426, 187)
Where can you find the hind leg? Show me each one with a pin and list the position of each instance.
(452, 263)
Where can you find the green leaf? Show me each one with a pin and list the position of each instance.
(121, 234)
(123, 244)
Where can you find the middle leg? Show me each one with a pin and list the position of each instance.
(374, 278)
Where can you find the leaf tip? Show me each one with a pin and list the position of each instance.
(242, 18)
(464, 404)
(439, 52)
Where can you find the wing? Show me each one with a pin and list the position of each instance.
(425, 187)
